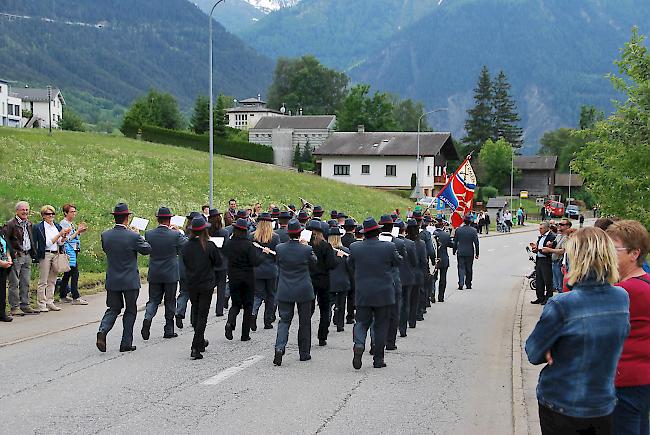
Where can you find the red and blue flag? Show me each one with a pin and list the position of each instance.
(458, 193)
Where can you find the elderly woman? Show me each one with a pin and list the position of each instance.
(580, 336)
(632, 243)
(49, 237)
(5, 264)
(72, 247)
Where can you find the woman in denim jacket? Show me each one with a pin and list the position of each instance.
(580, 336)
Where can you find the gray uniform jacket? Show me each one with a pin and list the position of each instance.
(340, 275)
(445, 242)
(409, 263)
(423, 263)
(425, 236)
(466, 241)
(267, 269)
(122, 247)
(372, 263)
(294, 281)
(282, 232)
(165, 248)
(401, 250)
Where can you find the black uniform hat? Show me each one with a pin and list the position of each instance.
(242, 214)
(121, 209)
(400, 224)
(417, 215)
(395, 216)
(303, 216)
(358, 230)
(341, 215)
(369, 224)
(199, 224)
(265, 217)
(275, 212)
(164, 212)
(428, 219)
(285, 215)
(334, 230)
(334, 214)
(349, 224)
(193, 214)
(292, 207)
(412, 223)
(314, 226)
(294, 227)
(333, 223)
(214, 212)
(241, 224)
(318, 210)
(386, 220)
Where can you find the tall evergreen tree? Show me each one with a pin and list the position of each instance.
(199, 123)
(505, 113)
(220, 115)
(480, 121)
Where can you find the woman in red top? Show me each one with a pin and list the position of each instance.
(632, 242)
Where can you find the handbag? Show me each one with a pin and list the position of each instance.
(61, 263)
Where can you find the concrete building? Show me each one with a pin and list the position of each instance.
(386, 160)
(284, 133)
(247, 112)
(537, 175)
(10, 106)
(37, 101)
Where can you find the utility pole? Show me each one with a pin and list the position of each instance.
(49, 108)
(211, 198)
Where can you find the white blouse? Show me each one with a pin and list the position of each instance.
(50, 234)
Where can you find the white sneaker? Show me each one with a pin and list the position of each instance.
(53, 307)
(42, 309)
(79, 301)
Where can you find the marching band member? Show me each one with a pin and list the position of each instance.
(339, 279)
(216, 230)
(266, 273)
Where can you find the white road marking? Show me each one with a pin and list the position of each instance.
(491, 250)
(506, 246)
(222, 376)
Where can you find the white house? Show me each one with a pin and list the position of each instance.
(284, 133)
(247, 112)
(386, 160)
(37, 101)
(10, 106)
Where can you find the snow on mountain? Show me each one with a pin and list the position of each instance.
(268, 6)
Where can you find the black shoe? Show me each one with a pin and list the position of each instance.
(229, 329)
(253, 323)
(412, 325)
(350, 321)
(536, 301)
(196, 354)
(146, 325)
(268, 326)
(219, 314)
(433, 299)
(205, 344)
(340, 329)
(101, 341)
(322, 342)
(127, 348)
(356, 360)
(402, 334)
(172, 335)
(544, 301)
(246, 338)
(372, 350)
(179, 322)
(429, 303)
(391, 347)
(277, 359)
(305, 357)
(6, 318)
(469, 287)
(441, 300)
(460, 287)
(420, 319)
(379, 365)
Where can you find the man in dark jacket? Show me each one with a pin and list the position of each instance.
(466, 250)
(444, 239)
(283, 220)
(163, 273)
(294, 290)
(372, 263)
(348, 238)
(19, 236)
(427, 288)
(122, 247)
(543, 264)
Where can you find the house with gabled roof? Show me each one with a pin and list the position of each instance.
(537, 174)
(46, 106)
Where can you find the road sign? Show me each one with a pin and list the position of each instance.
(523, 194)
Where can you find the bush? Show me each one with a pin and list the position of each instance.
(488, 192)
(239, 149)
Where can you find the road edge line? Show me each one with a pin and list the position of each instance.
(519, 409)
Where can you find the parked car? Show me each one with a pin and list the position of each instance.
(572, 211)
(554, 209)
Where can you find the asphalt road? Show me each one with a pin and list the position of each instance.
(451, 375)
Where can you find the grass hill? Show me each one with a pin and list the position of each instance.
(97, 171)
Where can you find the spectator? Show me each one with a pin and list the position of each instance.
(543, 265)
(257, 210)
(205, 210)
(632, 243)
(507, 217)
(5, 264)
(481, 222)
(486, 216)
(231, 213)
(48, 240)
(72, 246)
(557, 253)
(581, 219)
(19, 235)
(520, 216)
(580, 336)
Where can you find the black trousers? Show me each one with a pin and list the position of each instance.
(158, 291)
(324, 307)
(73, 278)
(554, 423)
(414, 301)
(339, 308)
(115, 301)
(242, 294)
(405, 308)
(3, 292)
(544, 278)
(394, 319)
(201, 299)
(442, 282)
(425, 293)
(221, 291)
(286, 311)
(377, 317)
(350, 301)
(465, 272)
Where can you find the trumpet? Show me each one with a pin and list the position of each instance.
(305, 204)
(345, 254)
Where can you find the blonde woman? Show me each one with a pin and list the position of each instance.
(580, 337)
(266, 274)
(339, 279)
(48, 240)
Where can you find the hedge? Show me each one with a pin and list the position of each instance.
(239, 149)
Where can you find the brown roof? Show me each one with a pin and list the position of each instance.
(388, 144)
(296, 122)
(536, 162)
(562, 180)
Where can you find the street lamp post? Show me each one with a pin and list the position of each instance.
(211, 109)
(512, 176)
(418, 188)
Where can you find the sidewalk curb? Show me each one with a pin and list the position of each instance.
(519, 410)
(496, 234)
(57, 331)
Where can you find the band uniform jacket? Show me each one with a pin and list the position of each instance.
(423, 262)
(425, 236)
(372, 262)
(326, 261)
(267, 269)
(347, 239)
(122, 247)
(283, 234)
(242, 259)
(340, 275)
(294, 281)
(409, 263)
(200, 264)
(166, 246)
(401, 250)
(445, 242)
(466, 241)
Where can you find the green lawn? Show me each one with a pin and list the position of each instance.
(96, 171)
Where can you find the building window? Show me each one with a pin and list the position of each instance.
(428, 171)
(365, 169)
(391, 170)
(341, 169)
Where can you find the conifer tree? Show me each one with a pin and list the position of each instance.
(296, 156)
(505, 113)
(480, 121)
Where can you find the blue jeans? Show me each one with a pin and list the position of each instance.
(631, 412)
(557, 275)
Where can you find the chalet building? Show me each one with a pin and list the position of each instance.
(537, 175)
(43, 103)
(386, 160)
(284, 133)
(10, 106)
(248, 112)
(568, 182)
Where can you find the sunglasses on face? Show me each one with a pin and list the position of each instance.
(49, 214)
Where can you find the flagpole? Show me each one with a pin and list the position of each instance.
(469, 157)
